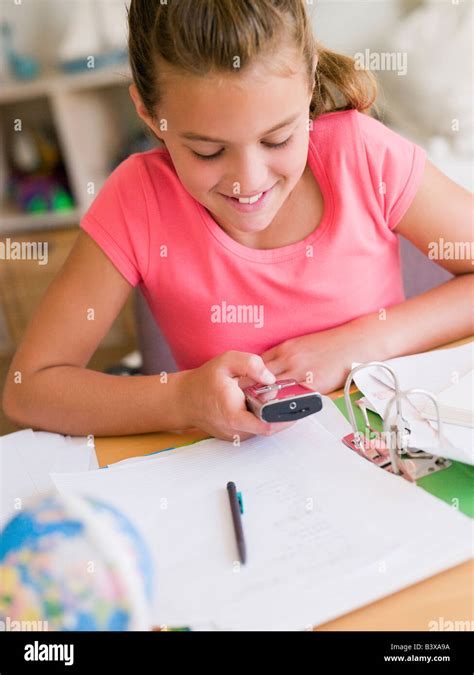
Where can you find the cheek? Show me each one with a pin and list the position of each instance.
(298, 157)
(196, 176)
(288, 164)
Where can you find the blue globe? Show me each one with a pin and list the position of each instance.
(74, 563)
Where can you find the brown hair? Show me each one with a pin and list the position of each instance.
(203, 36)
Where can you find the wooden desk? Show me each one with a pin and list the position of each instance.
(449, 595)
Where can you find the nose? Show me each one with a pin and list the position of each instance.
(249, 172)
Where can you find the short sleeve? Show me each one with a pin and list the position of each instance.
(117, 220)
(395, 166)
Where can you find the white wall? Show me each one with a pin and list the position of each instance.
(343, 25)
(349, 26)
(39, 25)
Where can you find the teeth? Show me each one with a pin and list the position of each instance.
(250, 200)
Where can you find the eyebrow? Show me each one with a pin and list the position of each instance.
(190, 136)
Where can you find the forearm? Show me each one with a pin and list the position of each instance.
(437, 317)
(79, 402)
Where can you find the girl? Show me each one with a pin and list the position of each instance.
(263, 233)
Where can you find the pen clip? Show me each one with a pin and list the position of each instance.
(241, 502)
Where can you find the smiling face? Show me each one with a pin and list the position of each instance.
(236, 136)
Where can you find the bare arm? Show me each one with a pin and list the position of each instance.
(48, 385)
(442, 212)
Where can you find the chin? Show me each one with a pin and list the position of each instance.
(250, 228)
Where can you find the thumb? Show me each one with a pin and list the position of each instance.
(238, 364)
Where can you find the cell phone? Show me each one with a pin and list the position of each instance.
(283, 401)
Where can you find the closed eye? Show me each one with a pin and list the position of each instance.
(271, 146)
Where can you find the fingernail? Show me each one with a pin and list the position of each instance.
(268, 377)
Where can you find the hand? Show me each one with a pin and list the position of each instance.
(215, 403)
(320, 360)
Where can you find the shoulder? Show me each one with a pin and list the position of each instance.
(360, 128)
(364, 152)
(359, 140)
(156, 163)
(383, 143)
(337, 119)
(338, 140)
(153, 174)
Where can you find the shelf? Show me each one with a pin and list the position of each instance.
(13, 221)
(92, 117)
(58, 82)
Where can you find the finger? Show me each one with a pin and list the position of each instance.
(280, 426)
(276, 366)
(245, 382)
(269, 354)
(247, 365)
(247, 422)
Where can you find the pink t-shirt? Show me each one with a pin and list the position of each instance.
(210, 294)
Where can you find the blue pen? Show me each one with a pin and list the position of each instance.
(236, 507)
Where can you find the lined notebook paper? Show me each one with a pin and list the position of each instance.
(326, 531)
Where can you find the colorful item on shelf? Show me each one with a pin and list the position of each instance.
(38, 181)
(34, 150)
(61, 200)
(21, 66)
(100, 61)
(39, 194)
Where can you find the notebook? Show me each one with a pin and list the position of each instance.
(326, 531)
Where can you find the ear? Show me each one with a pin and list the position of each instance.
(137, 101)
(315, 65)
(142, 112)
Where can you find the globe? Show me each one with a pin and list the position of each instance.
(70, 563)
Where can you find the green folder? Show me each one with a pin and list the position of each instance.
(455, 485)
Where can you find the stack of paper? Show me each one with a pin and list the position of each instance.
(28, 457)
(326, 531)
(456, 402)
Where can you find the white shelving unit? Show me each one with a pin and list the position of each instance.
(93, 118)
